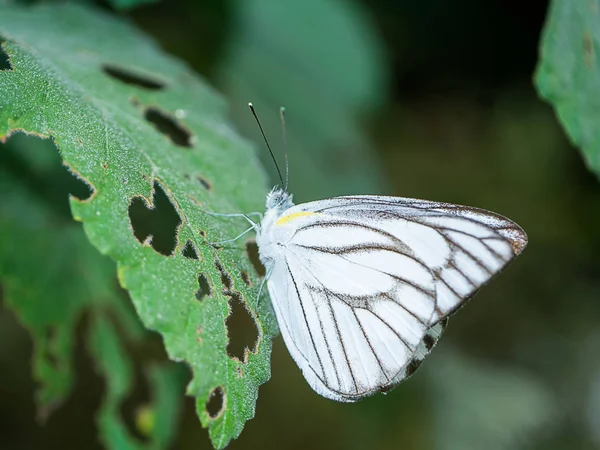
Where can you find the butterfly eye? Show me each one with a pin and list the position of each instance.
(274, 200)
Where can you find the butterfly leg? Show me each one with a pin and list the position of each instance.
(254, 225)
(262, 283)
(234, 239)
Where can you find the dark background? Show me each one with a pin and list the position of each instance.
(454, 117)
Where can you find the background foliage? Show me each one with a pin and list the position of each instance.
(424, 99)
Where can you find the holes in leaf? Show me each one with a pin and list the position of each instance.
(189, 251)
(129, 77)
(155, 224)
(203, 288)
(246, 278)
(4, 58)
(216, 402)
(204, 183)
(225, 278)
(241, 329)
(252, 251)
(78, 187)
(169, 126)
(46, 178)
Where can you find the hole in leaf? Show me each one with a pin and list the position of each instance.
(204, 288)
(246, 278)
(133, 406)
(204, 183)
(156, 224)
(78, 187)
(225, 278)
(216, 402)
(4, 58)
(241, 329)
(167, 125)
(190, 251)
(129, 77)
(46, 178)
(252, 251)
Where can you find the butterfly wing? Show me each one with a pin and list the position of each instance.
(364, 284)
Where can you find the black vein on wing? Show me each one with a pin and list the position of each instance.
(306, 320)
(409, 347)
(347, 223)
(451, 265)
(470, 255)
(456, 294)
(338, 333)
(346, 298)
(482, 240)
(401, 305)
(367, 247)
(337, 329)
(329, 293)
(418, 205)
(335, 370)
(287, 325)
(444, 210)
(385, 342)
(360, 325)
(421, 220)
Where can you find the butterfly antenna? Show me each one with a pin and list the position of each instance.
(251, 106)
(285, 149)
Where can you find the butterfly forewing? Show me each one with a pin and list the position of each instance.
(362, 286)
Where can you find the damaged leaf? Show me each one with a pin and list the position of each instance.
(103, 92)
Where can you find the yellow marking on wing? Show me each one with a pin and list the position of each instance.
(287, 219)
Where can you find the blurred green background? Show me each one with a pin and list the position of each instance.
(430, 99)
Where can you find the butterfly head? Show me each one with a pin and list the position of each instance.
(279, 199)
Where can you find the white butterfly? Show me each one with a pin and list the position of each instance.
(362, 286)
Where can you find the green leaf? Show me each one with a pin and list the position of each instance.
(52, 276)
(568, 72)
(327, 78)
(150, 139)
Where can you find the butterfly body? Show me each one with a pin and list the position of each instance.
(362, 285)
